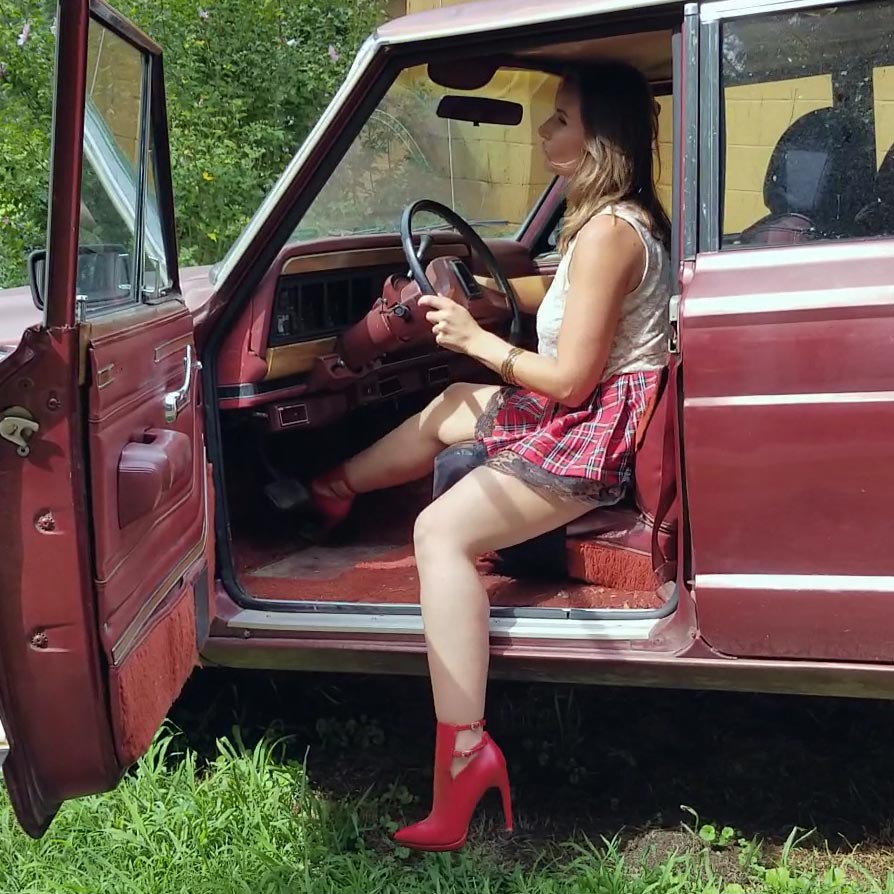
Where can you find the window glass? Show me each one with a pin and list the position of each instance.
(490, 174)
(664, 153)
(110, 172)
(156, 278)
(808, 114)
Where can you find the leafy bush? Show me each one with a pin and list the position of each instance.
(246, 79)
(26, 106)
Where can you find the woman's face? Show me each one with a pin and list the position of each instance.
(563, 133)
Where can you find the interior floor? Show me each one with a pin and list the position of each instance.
(371, 562)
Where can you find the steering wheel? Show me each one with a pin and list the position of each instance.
(477, 245)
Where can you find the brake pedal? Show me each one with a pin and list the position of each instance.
(288, 495)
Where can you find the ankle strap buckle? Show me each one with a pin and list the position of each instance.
(473, 750)
(478, 724)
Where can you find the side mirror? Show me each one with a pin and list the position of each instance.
(103, 278)
(37, 268)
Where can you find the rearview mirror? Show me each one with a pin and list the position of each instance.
(480, 110)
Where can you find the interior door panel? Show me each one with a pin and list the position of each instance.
(150, 511)
(149, 501)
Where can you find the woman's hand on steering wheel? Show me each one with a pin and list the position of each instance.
(453, 326)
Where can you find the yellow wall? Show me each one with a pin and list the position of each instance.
(421, 5)
(114, 82)
(884, 110)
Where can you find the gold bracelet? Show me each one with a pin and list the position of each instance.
(507, 369)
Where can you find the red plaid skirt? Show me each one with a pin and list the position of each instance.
(583, 453)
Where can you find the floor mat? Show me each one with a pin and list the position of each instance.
(372, 562)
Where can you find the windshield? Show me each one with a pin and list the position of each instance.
(492, 175)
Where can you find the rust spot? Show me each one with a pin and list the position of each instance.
(46, 522)
(40, 640)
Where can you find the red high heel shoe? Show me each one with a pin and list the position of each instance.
(331, 508)
(454, 799)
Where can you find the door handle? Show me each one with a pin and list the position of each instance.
(175, 401)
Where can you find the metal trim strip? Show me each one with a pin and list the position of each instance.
(411, 625)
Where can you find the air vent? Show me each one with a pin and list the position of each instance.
(312, 307)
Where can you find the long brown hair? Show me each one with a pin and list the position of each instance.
(620, 118)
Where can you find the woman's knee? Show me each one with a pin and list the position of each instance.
(436, 534)
(451, 417)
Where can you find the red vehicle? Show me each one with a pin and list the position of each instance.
(157, 425)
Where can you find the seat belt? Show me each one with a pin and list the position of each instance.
(664, 566)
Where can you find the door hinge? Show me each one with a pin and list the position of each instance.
(17, 426)
(673, 337)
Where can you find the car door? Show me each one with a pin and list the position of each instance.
(103, 476)
(786, 333)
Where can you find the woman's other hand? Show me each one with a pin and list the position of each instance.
(453, 326)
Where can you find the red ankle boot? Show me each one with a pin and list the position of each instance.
(331, 509)
(454, 799)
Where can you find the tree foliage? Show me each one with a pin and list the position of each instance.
(245, 79)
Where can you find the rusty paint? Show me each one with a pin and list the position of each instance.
(46, 522)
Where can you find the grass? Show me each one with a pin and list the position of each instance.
(247, 820)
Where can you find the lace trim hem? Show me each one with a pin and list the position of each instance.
(484, 427)
(566, 487)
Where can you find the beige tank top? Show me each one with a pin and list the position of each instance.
(641, 337)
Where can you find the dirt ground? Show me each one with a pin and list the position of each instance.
(593, 760)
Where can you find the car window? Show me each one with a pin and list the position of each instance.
(807, 121)
(107, 235)
(490, 174)
(118, 183)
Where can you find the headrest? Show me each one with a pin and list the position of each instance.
(877, 217)
(812, 171)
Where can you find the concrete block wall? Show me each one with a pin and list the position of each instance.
(883, 85)
(114, 82)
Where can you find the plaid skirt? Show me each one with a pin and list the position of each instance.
(580, 453)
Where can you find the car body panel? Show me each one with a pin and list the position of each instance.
(788, 418)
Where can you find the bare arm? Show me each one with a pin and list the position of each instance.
(607, 264)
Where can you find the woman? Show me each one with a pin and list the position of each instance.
(559, 438)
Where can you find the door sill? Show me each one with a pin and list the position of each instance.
(406, 624)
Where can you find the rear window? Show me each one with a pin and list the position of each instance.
(808, 125)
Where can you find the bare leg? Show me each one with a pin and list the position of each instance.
(484, 511)
(409, 452)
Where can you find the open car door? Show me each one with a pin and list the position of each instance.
(103, 478)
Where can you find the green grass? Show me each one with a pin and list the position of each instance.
(248, 821)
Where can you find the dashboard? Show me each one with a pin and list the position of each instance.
(288, 330)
